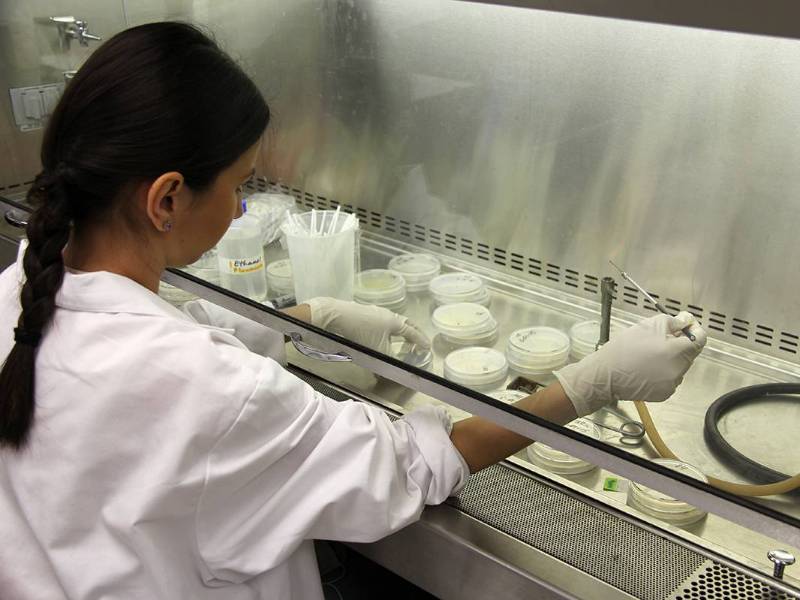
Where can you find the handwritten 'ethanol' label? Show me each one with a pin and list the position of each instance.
(241, 266)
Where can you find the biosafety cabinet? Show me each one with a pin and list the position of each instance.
(517, 149)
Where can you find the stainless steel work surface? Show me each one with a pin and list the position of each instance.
(722, 368)
(508, 523)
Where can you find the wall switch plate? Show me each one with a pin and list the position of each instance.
(32, 105)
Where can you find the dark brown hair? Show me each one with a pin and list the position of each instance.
(154, 98)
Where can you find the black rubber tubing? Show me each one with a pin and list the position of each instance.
(723, 450)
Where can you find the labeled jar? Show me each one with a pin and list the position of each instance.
(477, 367)
(240, 257)
(537, 350)
(280, 281)
(661, 506)
(418, 269)
(465, 324)
(562, 463)
(452, 288)
(381, 287)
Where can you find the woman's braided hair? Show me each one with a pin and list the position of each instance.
(151, 99)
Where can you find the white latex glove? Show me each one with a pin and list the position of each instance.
(371, 326)
(644, 362)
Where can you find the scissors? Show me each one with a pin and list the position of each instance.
(631, 432)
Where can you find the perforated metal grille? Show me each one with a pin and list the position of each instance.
(757, 335)
(594, 541)
(713, 581)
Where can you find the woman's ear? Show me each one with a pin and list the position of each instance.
(161, 200)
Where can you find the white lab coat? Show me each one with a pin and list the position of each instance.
(168, 461)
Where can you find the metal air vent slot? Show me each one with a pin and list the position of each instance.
(759, 336)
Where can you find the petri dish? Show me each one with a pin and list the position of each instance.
(409, 353)
(174, 295)
(661, 506)
(382, 287)
(206, 267)
(476, 367)
(562, 463)
(465, 323)
(508, 396)
(451, 288)
(583, 338)
(537, 350)
(280, 280)
(418, 269)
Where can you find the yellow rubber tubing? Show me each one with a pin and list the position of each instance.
(741, 489)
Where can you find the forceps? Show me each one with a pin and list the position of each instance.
(631, 432)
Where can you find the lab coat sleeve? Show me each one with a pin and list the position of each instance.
(297, 465)
(257, 337)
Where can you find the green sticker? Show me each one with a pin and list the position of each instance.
(611, 484)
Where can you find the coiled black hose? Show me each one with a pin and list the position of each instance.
(726, 453)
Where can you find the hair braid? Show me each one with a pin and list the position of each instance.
(48, 232)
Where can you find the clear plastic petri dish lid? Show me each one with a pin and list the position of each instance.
(478, 367)
(464, 320)
(379, 286)
(457, 287)
(659, 501)
(417, 269)
(280, 269)
(174, 295)
(409, 353)
(538, 349)
(508, 396)
(559, 462)
(584, 336)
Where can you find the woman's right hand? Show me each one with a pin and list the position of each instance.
(644, 362)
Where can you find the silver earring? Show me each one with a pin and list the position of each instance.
(168, 226)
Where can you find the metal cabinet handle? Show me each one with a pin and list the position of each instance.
(311, 352)
(781, 559)
(16, 218)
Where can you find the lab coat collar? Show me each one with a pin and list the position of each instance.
(104, 292)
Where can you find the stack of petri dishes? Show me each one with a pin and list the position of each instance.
(559, 462)
(381, 287)
(537, 351)
(583, 338)
(478, 368)
(465, 324)
(656, 504)
(279, 278)
(508, 396)
(417, 269)
(452, 288)
(174, 295)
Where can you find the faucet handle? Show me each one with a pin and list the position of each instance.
(782, 559)
(63, 20)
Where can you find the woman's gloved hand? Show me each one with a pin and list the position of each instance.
(644, 362)
(371, 326)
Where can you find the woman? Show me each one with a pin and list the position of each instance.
(149, 455)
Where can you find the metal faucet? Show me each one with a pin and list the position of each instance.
(70, 28)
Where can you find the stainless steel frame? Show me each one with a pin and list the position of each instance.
(730, 507)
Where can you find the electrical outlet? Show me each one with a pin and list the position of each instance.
(32, 105)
